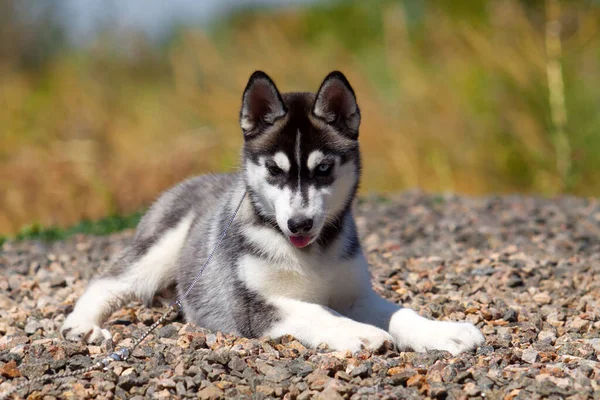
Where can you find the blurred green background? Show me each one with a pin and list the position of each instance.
(105, 104)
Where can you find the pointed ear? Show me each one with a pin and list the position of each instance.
(335, 103)
(262, 104)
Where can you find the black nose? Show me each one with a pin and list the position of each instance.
(300, 225)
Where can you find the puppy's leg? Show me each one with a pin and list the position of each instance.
(138, 274)
(313, 324)
(101, 297)
(410, 330)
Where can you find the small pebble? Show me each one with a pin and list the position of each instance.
(530, 356)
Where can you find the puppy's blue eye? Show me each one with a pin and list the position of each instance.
(323, 169)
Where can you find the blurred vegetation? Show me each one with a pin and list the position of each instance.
(455, 96)
(100, 227)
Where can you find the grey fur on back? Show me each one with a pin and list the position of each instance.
(200, 196)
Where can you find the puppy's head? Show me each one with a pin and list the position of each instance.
(301, 157)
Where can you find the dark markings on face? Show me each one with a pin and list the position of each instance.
(311, 138)
(300, 137)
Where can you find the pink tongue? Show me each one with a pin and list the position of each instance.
(300, 241)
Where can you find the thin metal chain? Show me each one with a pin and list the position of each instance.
(123, 353)
(187, 292)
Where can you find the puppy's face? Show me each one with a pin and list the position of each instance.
(301, 157)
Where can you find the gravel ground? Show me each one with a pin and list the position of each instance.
(524, 270)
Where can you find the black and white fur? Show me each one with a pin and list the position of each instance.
(291, 262)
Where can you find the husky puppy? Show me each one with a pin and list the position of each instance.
(291, 262)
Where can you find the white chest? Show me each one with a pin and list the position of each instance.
(317, 281)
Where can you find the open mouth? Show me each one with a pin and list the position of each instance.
(300, 241)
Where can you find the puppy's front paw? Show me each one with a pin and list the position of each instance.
(421, 334)
(357, 337)
(454, 337)
(78, 328)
